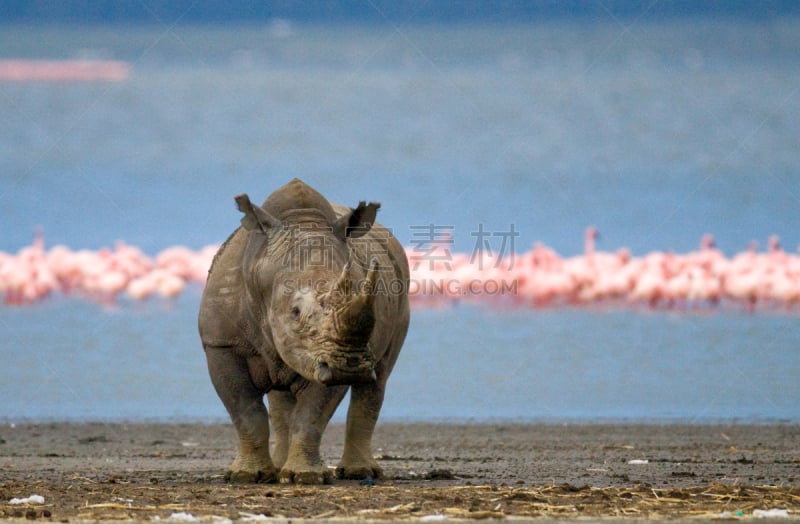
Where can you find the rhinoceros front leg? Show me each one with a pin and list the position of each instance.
(314, 408)
(362, 415)
(245, 404)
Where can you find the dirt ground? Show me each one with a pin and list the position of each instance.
(432, 472)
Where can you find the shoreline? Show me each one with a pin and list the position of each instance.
(441, 421)
(138, 471)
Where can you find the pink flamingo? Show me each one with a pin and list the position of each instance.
(589, 240)
(141, 288)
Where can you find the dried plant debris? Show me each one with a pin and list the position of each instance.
(84, 499)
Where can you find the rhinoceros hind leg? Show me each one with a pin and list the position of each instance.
(281, 406)
(249, 477)
(359, 472)
(314, 407)
(313, 476)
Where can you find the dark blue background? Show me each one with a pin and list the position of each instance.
(217, 11)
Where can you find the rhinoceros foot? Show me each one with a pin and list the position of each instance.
(359, 471)
(314, 476)
(250, 477)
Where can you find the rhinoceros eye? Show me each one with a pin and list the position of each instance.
(295, 313)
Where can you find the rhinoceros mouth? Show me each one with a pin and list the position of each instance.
(345, 369)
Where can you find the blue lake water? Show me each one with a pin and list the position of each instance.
(655, 132)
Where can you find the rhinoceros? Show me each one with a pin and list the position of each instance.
(303, 301)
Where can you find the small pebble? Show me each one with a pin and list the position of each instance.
(369, 481)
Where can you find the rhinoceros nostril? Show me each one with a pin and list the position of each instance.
(324, 373)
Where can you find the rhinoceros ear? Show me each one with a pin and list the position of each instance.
(255, 218)
(358, 222)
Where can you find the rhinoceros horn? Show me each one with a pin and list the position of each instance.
(354, 320)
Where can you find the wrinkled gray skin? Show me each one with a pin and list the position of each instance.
(298, 306)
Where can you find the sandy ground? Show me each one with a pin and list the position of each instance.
(432, 471)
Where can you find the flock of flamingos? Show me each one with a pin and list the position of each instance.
(705, 278)
(538, 278)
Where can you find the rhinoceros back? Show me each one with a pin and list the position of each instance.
(220, 321)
